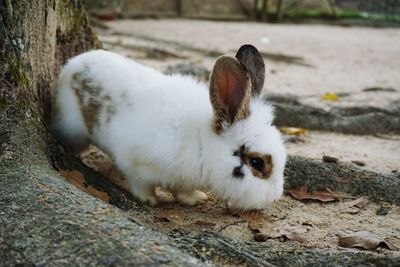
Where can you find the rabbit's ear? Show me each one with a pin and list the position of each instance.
(253, 61)
(229, 92)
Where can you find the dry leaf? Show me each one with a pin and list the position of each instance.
(257, 221)
(284, 230)
(74, 177)
(290, 232)
(267, 227)
(301, 193)
(330, 97)
(171, 215)
(293, 131)
(362, 239)
(77, 179)
(100, 162)
(354, 206)
(99, 194)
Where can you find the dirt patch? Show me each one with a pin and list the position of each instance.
(319, 223)
(380, 154)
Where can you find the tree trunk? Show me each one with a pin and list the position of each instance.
(279, 10)
(45, 220)
(264, 10)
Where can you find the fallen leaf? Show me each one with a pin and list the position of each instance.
(290, 232)
(362, 239)
(99, 194)
(301, 193)
(257, 221)
(283, 230)
(330, 97)
(100, 162)
(267, 227)
(354, 206)
(77, 179)
(336, 194)
(171, 215)
(293, 130)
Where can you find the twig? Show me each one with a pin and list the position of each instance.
(254, 261)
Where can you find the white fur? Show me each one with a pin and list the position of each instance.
(161, 133)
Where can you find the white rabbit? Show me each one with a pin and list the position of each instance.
(171, 131)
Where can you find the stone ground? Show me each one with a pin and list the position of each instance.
(312, 60)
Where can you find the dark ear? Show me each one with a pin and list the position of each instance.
(252, 60)
(229, 92)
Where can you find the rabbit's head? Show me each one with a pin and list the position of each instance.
(247, 164)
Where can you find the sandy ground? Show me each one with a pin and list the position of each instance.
(380, 154)
(343, 60)
(315, 224)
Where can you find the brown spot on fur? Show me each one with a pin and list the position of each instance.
(91, 113)
(266, 171)
(88, 94)
(246, 157)
(230, 89)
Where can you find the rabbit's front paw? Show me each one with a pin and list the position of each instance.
(190, 198)
(146, 196)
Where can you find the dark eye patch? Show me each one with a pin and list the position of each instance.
(257, 163)
(260, 164)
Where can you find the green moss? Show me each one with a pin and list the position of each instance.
(67, 12)
(75, 19)
(19, 74)
(340, 14)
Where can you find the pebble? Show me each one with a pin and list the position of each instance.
(358, 162)
(330, 159)
(382, 211)
(260, 237)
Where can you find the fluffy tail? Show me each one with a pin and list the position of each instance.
(67, 121)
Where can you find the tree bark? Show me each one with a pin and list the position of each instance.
(44, 219)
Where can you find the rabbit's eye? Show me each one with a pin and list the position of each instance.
(257, 163)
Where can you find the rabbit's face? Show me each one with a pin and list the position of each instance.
(250, 161)
(248, 167)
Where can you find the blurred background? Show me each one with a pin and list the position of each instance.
(332, 65)
(263, 10)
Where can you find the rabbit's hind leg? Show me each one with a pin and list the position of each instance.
(190, 198)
